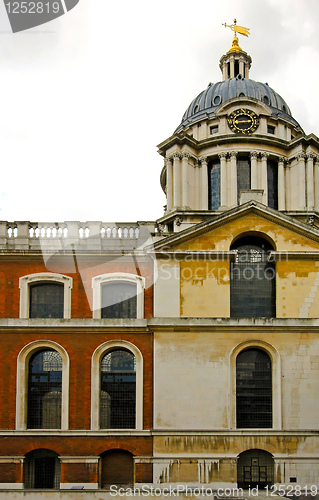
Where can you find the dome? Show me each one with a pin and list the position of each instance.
(207, 102)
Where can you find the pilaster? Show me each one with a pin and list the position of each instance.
(223, 179)
(264, 181)
(204, 183)
(177, 179)
(310, 181)
(301, 181)
(233, 178)
(281, 184)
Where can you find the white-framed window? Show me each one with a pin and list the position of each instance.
(118, 295)
(45, 295)
(54, 359)
(132, 363)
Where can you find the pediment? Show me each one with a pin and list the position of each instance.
(285, 233)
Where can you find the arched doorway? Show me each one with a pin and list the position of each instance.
(117, 467)
(42, 470)
(255, 468)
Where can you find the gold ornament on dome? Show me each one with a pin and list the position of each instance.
(236, 29)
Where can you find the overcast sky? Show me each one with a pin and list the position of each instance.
(86, 98)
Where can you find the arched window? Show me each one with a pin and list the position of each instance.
(117, 467)
(45, 295)
(42, 470)
(255, 468)
(118, 390)
(252, 280)
(45, 390)
(253, 389)
(118, 295)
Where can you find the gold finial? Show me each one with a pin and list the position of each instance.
(236, 29)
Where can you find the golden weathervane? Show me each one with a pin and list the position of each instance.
(236, 29)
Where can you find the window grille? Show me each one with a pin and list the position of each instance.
(119, 300)
(42, 470)
(45, 390)
(253, 390)
(46, 300)
(118, 390)
(255, 468)
(214, 186)
(252, 280)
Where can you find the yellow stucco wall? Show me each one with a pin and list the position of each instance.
(205, 284)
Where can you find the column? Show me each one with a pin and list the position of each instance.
(242, 67)
(264, 184)
(316, 183)
(223, 179)
(281, 184)
(233, 178)
(301, 181)
(310, 182)
(204, 183)
(177, 179)
(185, 179)
(169, 183)
(253, 170)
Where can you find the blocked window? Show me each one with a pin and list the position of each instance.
(118, 295)
(42, 470)
(45, 295)
(243, 175)
(44, 390)
(252, 280)
(253, 389)
(117, 467)
(118, 390)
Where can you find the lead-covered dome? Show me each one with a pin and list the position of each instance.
(207, 102)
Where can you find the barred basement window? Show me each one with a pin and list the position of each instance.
(42, 470)
(118, 390)
(119, 300)
(46, 300)
(255, 468)
(252, 280)
(253, 389)
(45, 390)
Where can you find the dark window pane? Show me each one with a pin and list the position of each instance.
(252, 280)
(119, 300)
(272, 184)
(42, 470)
(45, 390)
(253, 389)
(214, 186)
(243, 175)
(118, 390)
(46, 300)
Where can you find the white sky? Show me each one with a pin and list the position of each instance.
(86, 98)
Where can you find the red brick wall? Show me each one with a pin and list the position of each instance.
(80, 347)
(82, 271)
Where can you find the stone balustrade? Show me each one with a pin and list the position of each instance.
(92, 235)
